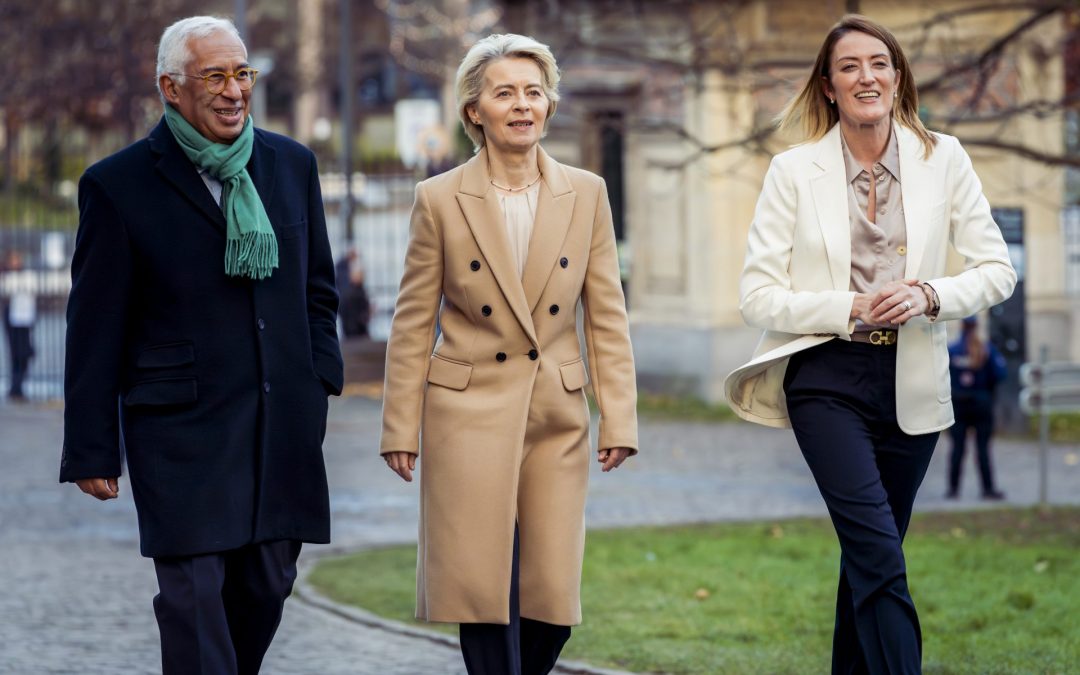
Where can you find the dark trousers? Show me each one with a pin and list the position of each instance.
(977, 415)
(842, 403)
(21, 350)
(525, 647)
(217, 613)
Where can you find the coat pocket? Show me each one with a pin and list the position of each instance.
(450, 374)
(167, 391)
(166, 356)
(291, 231)
(574, 375)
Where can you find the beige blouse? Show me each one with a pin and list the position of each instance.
(519, 215)
(878, 247)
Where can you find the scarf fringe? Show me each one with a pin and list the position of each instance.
(253, 255)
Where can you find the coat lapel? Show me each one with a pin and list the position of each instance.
(261, 169)
(553, 212)
(829, 188)
(482, 212)
(917, 184)
(177, 169)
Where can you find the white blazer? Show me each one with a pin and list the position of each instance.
(797, 273)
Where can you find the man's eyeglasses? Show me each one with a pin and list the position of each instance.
(216, 81)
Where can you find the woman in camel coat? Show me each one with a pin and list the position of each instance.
(501, 251)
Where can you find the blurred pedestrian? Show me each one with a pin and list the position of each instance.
(354, 308)
(20, 313)
(975, 367)
(202, 329)
(501, 251)
(845, 272)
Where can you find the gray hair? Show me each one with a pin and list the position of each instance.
(470, 75)
(173, 52)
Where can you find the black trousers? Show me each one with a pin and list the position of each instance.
(21, 350)
(217, 613)
(525, 647)
(842, 404)
(977, 415)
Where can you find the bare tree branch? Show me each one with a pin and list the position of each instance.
(1023, 151)
(992, 52)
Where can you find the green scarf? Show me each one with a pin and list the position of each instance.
(251, 248)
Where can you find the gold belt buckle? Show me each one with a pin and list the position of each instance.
(883, 337)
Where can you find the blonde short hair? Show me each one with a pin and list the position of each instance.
(810, 108)
(470, 75)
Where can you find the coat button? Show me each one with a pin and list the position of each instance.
(262, 324)
(563, 262)
(533, 354)
(485, 310)
(500, 357)
(554, 309)
(475, 266)
(266, 387)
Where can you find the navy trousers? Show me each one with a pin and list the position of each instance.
(525, 647)
(841, 399)
(217, 613)
(978, 414)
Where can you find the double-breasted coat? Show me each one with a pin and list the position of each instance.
(497, 402)
(216, 385)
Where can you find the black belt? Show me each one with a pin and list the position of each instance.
(879, 338)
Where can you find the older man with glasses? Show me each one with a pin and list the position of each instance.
(202, 346)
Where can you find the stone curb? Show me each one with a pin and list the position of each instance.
(306, 593)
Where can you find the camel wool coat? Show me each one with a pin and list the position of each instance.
(496, 405)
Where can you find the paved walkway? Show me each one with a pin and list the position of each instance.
(77, 594)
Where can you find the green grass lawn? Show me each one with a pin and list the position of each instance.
(997, 592)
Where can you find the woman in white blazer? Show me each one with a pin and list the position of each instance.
(845, 273)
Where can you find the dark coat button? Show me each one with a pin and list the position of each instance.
(554, 309)
(262, 324)
(500, 357)
(475, 266)
(485, 310)
(563, 262)
(266, 387)
(533, 354)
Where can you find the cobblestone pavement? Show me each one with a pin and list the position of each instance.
(77, 593)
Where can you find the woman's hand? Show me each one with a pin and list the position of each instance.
(898, 301)
(611, 458)
(401, 463)
(860, 307)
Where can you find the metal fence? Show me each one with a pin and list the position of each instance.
(37, 240)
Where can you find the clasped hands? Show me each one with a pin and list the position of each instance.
(895, 304)
(404, 463)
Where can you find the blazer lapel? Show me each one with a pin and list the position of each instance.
(261, 169)
(482, 212)
(829, 188)
(916, 186)
(553, 213)
(177, 169)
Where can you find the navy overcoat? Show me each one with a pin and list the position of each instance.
(214, 387)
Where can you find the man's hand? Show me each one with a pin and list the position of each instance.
(102, 488)
(611, 458)
(401, 463)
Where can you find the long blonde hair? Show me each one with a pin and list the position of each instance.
(810, 109)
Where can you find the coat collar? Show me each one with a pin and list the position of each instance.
(178, 170)
(480, 205)
(829, 189)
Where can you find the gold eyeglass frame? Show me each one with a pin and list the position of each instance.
(224, 83)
